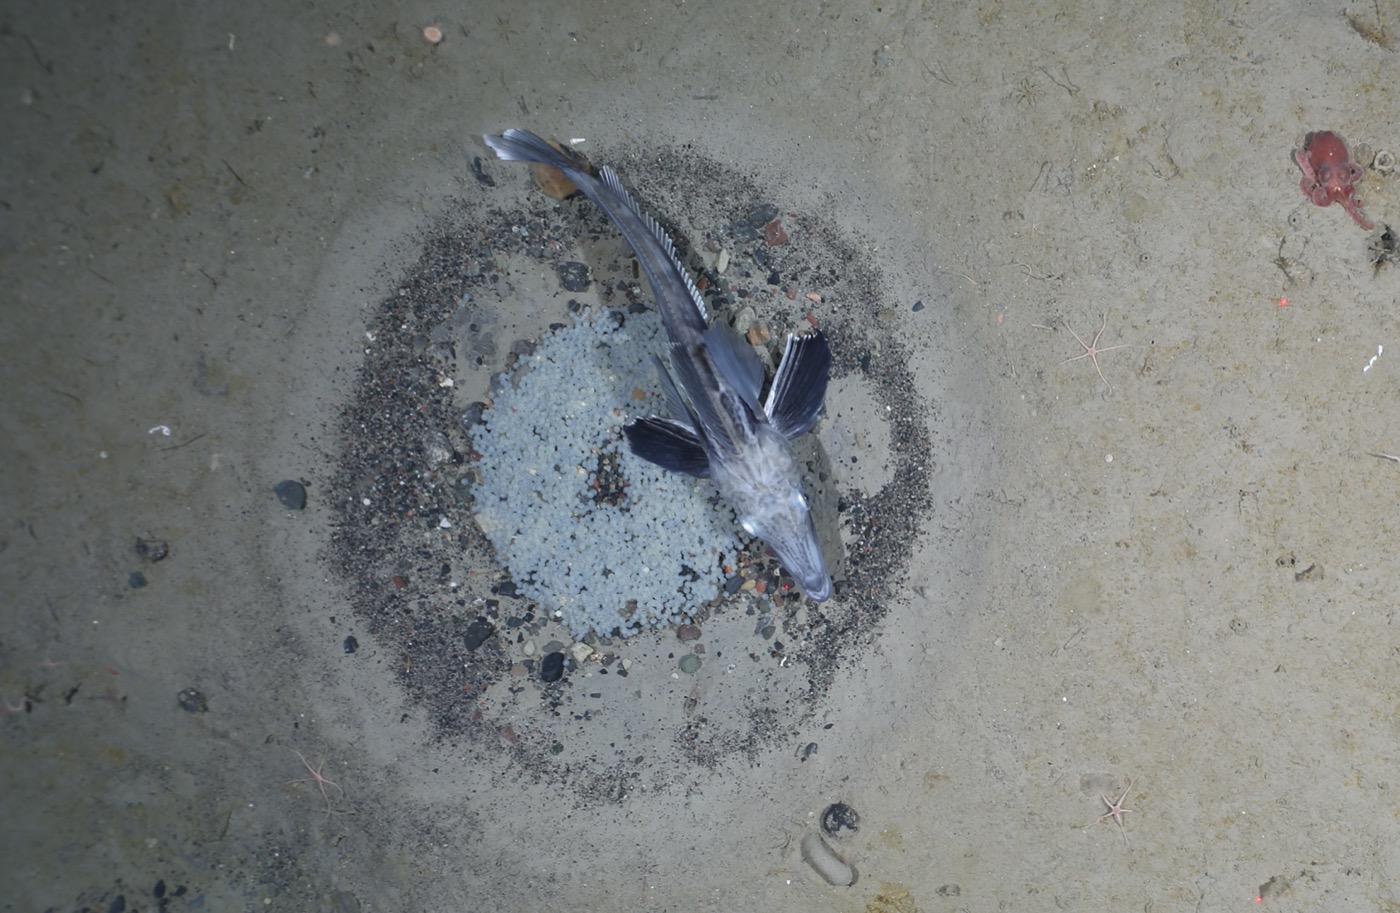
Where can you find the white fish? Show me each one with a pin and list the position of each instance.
(718, 430)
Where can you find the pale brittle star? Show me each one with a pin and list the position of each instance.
(319, 779)
(1092, 350)
(1115, 811)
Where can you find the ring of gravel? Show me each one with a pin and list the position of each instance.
(492, 669)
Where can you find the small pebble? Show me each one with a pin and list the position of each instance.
(291, 493)
(839, 820)
(136, 581)
(192, 701)
(351, 644)
(751, 225)
(152, 550)
(552, 669)
(477, 632)
(687, 633)
(690, 663)
(759, 333)
(573, 276)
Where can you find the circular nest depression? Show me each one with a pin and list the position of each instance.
(492, 671)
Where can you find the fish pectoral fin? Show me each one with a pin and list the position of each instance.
(799, 386)
(669, 444)
(735, 362)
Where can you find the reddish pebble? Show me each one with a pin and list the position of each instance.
(399, 582)
(773, 233)
(686, 633)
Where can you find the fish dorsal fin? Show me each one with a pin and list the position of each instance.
(735, 363)
(799, 386)
(614, 183)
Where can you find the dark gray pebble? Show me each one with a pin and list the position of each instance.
(505, 588)
(291, 493)
(840, 820)
(573, 275)
(733, 584)
(918, 306)
(192, 700)
(751, 225)
(473, 414)
(477, 632)
(552, 669)
(152, 550)
(136, 580)
(351, 644)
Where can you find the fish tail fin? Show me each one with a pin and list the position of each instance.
(524, 146)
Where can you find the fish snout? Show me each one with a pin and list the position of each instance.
(787, 528)
(818, 588)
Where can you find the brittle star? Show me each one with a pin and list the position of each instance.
(1092, 350)
(1115, 811)
(317, 778)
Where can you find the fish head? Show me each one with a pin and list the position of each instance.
(763, 484)
(786, 527)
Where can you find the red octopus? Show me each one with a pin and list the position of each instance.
(1329, 174)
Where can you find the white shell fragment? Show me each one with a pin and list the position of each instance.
(829, 866)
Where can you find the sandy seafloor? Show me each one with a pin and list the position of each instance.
(1184, 581)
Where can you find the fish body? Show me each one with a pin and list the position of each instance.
(718, 428)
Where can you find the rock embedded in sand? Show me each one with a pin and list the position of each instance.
(840, 820)
(291, 493)
(552, 669)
